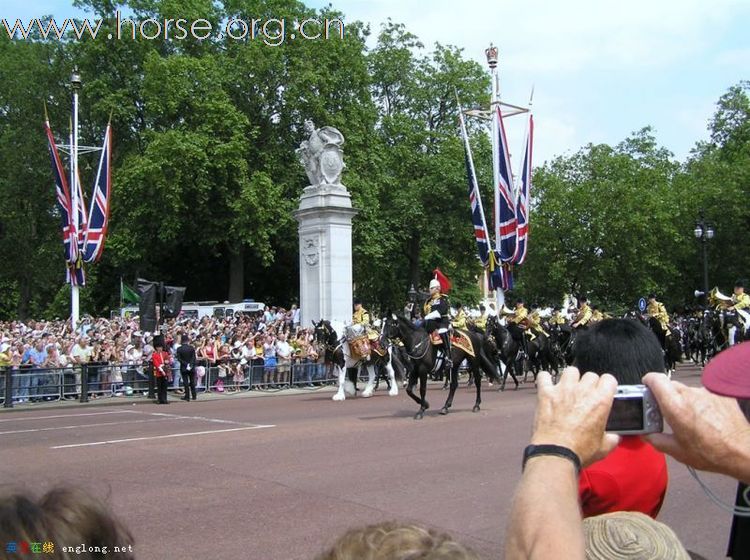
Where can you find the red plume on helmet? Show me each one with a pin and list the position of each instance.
(445, 283)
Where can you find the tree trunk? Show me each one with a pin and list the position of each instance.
(236, 274)
(413, 252)
(24, 299)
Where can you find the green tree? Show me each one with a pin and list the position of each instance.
(602, 224)
(717, 182)
(421, 202)
(29, 222)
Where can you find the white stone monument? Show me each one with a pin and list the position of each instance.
(325, 230)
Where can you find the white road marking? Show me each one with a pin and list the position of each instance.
(85, 426)
(90, 444)
(21, 418)
(204, 418)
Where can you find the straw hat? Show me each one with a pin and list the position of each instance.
(630, 535)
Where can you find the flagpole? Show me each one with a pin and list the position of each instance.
(492, 57)
(75, 81)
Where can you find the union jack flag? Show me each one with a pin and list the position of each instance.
(98, 219)
(477, 212)
(64, 204)
(522, 201)
(82, 214)
(505, 208)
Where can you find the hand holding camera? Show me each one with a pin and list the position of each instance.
(634, 411)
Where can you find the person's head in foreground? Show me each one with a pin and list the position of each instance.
(728, 373)
(630, 535)
(396, 541)
(63, 517)
(625, 348)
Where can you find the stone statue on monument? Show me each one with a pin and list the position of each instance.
(322, 156)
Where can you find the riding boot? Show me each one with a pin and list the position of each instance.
(445, 337)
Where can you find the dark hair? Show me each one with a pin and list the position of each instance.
(519, 300)
(63, 515)
(652, 296)
(739, 284)
(582, 298)
(623, 347)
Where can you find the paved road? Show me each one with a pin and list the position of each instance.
(278, 478)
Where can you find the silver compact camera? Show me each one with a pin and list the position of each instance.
(634, 411)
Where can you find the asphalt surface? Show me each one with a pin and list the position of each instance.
(281, 476)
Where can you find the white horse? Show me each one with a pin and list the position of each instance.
(340, 355)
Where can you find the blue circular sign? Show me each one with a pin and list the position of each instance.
(642, 304)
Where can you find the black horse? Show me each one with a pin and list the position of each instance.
(508, 351)
(426, 358)
(560, 337)
(541, 357)
(326, 338)
(670, 345)
(699, 337)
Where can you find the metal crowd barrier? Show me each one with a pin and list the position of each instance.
(231, 376)
(80, 382)
(104, 380)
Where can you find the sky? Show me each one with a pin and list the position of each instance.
(600, 69)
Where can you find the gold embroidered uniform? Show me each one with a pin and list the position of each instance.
(741, 301)
(460, 320)
(557, 319)
(534, 321)
(659, 312)
(583, 316)
(361, 317)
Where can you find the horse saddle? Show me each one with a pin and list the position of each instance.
(459, 339)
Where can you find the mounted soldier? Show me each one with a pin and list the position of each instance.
(740, 303)
(361, 328)
(657, 310)
(580, 321)
(481, 321)
(534, 322)
(517, 325)
(437, 318)
(459, 321)
(557, 317)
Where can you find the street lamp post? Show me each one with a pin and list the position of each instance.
(75, 83)
(412, 294)
(704, 232)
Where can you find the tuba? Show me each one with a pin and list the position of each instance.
(717, 299)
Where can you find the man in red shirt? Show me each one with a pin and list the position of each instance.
(634, 476)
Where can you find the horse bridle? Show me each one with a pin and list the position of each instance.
(327, 333)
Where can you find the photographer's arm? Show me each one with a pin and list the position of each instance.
(710, 432)
(571, 414)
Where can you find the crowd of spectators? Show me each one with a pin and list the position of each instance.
(709, 431)
(266, 350)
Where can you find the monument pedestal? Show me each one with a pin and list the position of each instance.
(325, 254)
